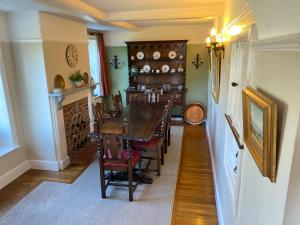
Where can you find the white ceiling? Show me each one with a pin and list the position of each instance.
(133, 5)
(125, 14)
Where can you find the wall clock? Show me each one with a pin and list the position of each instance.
(72, 55)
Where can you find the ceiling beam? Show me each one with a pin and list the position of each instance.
(93, 14)
(166, 14)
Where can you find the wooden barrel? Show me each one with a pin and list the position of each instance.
(195, 113)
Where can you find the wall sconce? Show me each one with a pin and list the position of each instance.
(215, 42)
(197, 61)
(115, 62)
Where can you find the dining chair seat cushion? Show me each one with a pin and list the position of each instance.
(152, 144)
(122, 161)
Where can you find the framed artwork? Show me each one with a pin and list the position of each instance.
(260, 130)
(215, 70)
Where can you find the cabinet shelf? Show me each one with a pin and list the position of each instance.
(156, 60)
(158, 74)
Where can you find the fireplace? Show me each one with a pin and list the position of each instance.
(77, 127)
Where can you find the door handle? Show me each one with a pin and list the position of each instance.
(234, 84)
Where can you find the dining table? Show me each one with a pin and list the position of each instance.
(142, 121)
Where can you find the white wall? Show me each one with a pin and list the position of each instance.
(261, 202)
(37, 51)
(18, 157)
(194, 33)
(292, 208)
(276, 17)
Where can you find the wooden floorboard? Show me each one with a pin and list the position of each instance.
(194, 202)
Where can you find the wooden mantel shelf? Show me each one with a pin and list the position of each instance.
(60, 96)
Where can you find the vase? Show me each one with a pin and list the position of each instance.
(77, 84)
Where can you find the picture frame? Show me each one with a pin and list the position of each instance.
(215, 71)
(260, 130)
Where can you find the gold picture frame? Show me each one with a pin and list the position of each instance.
(215, 71)
(260, 130)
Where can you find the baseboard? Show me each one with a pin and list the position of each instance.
(217, 192)
(44, 165)
(14, 173)
(64, 163)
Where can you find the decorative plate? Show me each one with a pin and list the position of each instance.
(140, 55)
(165, 68)
(172, 54)
(195, 113)
(146, 68)
(156, 55)
(86, 78)
(59, 82)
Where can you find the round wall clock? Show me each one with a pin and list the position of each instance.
(72, 55)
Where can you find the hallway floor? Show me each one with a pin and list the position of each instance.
(195, 199)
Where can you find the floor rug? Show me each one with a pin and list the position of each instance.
(80, 203)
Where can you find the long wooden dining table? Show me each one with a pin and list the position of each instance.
(142, 120)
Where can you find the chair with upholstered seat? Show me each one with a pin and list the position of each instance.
(156, 144)
(114, 157)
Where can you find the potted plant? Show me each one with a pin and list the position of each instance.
(76, 78)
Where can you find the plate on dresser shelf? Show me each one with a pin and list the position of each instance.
(165, 68)
(59, 82)
(146, 68)
(172, 54)
(156, 55)
(140, 55)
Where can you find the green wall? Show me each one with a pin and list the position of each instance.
(118, 77)
(196, 79)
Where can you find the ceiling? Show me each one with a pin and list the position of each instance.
(125, 14)
(133, 5)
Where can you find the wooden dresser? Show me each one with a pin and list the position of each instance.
(160, 67)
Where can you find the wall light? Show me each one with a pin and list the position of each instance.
(234, 30)
(197, 61)
(115, 62)
(215, 42)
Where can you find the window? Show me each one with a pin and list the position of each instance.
(94, 58)
(6, 131)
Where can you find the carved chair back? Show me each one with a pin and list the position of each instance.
(99, 111)
(117, 101)
(112, 143)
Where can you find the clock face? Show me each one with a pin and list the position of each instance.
(72, 55)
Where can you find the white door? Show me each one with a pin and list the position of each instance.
(233, 153)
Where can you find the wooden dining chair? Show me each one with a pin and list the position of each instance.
(169, 118)
(156, 144)
(100, 113)
(117, 101)
(114, 157)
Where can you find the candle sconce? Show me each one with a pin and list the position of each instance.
(215, 43)
(115, 62)
(197, 61)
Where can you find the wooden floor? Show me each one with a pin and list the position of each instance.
(194, 199)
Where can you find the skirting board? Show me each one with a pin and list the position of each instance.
(217, 192)
(14, 173)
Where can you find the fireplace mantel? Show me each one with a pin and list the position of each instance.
(59, 97)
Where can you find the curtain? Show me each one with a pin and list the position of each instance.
(104, 70)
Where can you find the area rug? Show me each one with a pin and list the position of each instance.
(80, 203)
